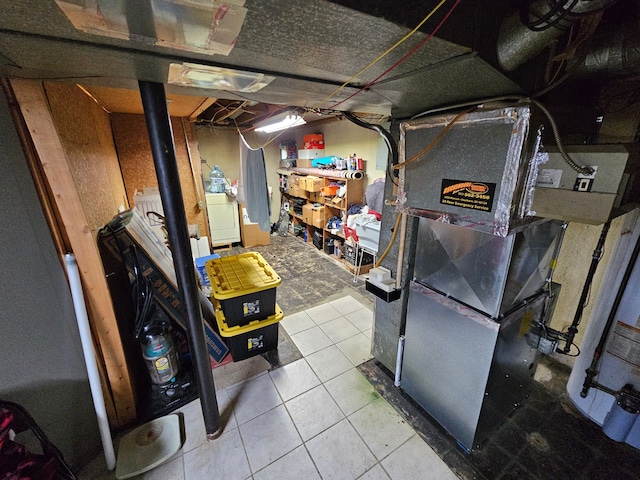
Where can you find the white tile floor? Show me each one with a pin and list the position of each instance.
(316, 418)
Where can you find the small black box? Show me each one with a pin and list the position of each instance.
(350, 256)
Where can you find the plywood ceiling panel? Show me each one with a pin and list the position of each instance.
(117, 100)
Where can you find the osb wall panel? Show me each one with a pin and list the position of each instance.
(138, 171)
(85, 133)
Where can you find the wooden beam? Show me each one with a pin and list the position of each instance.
(33, 104)
(206, 103)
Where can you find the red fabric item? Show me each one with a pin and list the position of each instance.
(378, 215)
(350, 232)
(16, 462)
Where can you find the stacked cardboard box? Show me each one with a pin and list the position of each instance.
(313, 184)
(318, 216)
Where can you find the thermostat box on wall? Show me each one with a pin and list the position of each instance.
(565, 194)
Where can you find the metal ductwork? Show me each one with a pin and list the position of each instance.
(525, 34)
(612, 53)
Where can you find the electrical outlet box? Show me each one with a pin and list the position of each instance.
(565, 194)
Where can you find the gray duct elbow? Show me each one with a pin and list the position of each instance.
(519, 43)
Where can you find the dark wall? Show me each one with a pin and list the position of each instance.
(42, 366)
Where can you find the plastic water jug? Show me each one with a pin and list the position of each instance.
(217, 182)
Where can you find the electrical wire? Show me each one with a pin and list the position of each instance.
(393, 238)
(405, 57)
(569, 354)
(382, 55)
(543, 109)
(433, 143)
(547, 20)
(559, 144)
(395, 65)
(386, 136)
(142, 295)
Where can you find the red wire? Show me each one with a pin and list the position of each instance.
(407, 55)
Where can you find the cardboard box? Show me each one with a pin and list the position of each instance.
(316, 197)
(360, 270)
(307, 214)
(304, 163)
(296, 191)
(336, 200)
(313, 141)
(313, 184)
(310, 154)
(301, 181)
(318, 217)
(250, 233)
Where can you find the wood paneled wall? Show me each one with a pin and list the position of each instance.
(138, 171)
(85, 133)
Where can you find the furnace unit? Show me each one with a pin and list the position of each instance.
(481, 266)
(467, 360)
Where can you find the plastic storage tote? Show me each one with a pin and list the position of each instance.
(245, 285)
(246, 341)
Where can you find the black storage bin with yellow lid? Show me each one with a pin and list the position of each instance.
(245, 285)
(258, 336)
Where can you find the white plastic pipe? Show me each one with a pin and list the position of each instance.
(90, 359)
(396, 380)
(403, 236)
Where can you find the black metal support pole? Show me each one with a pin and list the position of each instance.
(595, 259)
(164, 157)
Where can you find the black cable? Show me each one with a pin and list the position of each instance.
(386, 136)
(547, 20)
(569, 354)
(142, 295)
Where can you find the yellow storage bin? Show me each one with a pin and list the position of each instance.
(245, 285)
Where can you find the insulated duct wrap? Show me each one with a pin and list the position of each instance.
(519, 43)
(613, 53)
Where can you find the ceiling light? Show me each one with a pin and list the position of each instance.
(291, 120)
(216, 78)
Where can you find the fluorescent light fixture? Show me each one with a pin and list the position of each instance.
(216, 78)
(291, 120)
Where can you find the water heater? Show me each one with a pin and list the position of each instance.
(612, 399)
